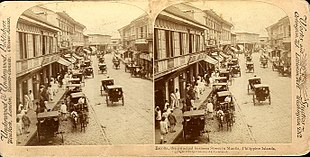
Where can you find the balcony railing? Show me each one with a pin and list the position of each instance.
(24, 66)
(173, 63)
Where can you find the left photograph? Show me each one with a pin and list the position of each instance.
(84, 75)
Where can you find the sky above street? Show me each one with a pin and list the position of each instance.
(100, 17)
(247, 16)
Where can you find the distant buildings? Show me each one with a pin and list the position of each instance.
(247, 41)
(99, 41)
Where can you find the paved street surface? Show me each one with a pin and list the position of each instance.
(262, 123)
(128, 124)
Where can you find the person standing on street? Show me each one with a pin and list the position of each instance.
(196, 90)
(27, 100)
(163, 130)
(26, 122)
(157, 116)
(172, 121)
(31, 100)
(166, 105)
(210, 109)
(50, 93)
(63, 111)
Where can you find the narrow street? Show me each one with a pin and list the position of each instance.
(261, 123)
(128, 124)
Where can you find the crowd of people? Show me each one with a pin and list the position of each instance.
(47, 92)
(166, 119)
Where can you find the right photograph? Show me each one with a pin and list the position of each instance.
(222, 73)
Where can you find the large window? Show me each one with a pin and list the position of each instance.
(176, 45)
(160, 44)
(43, 45)
(23, 46)
(34, 45)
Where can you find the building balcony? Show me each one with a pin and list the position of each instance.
(167, 65)
(25, 66)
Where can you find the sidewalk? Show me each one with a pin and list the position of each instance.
(24, 139)
(171, 137)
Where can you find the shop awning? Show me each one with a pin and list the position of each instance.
(234, 49)
(63, 61)
(76, 56)
(87, 51)
(209, 59)
(72, 60)
(224, 55)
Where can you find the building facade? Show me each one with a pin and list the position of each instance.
(279, 34)
(247, 41)
(179, 53)
(100, 41)
(36, 53)
(137, 42)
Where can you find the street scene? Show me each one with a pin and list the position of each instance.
(224, 77)
(84, 79)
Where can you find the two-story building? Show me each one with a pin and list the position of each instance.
(36, 53)
(179, 53)
(279, 34)
(137, 41)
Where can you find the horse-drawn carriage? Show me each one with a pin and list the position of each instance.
(225, 73)
(137, 71)
(74, 81)
(78, 110)
(101, 59)
(235, 70)
(249, 67)
(264, 62)
(193, 124)
(87, 63)
(103, 68)
(114, 94)
(225, 109)
(74, 88)
(88, 71)
(253, 81)
(48, 125)
(128, 67)
(248, 58)
(116, 63)
(106, 82)
(261, 93)
(218, 87)
(78, 75)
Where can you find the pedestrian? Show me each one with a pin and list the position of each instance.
(26, 98)
(163, 130)
(165, 114)
(20, 107)
(31, 99)
(50, 93)
(172, 121)
(63, 111)
(166, 105)
(173, 99)
(211, 80)
(178, 97)
(157, 116)
(19, 126)
(210, 109)
(38, 108)
(26, 122)
(196, 90)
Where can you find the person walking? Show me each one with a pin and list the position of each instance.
(210, 109)
(157, 116)
(166, 105)
(172, 121)
(26, 122)
(178, 97)
(31, 100)
(163, 130)
(50, 93)
(26, 98)
(196, 90)
(63, 111)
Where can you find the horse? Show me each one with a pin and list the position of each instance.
(220, 117)
(75, 118)
(83, 120)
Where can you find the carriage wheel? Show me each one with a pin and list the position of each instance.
(272, 67)
(101, 91)
(107, 100)
(254, 99)
(269, 99)
(123, 101)
(184, 135)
